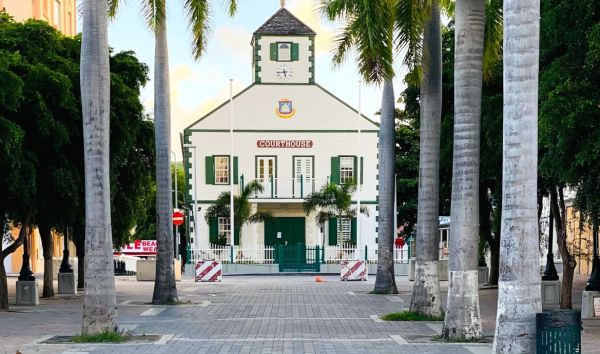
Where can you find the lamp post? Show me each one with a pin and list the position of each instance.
(358, 173)
(65, 266)
(593, 283)
(550, 270)
(195, 211)
(26, 273)
(175, 204)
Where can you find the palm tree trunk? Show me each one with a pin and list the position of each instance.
(519, 294)
(99, 304)
(165, 290)
(48, 251)
(462, 318)
(385, 282)
(426, 291)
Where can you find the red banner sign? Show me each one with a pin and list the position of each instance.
(140, 248)
(283, 144)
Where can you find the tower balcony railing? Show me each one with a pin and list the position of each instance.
(287, 188)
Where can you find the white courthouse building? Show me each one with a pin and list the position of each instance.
(290, 134)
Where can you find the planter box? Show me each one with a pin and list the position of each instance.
(146, 270)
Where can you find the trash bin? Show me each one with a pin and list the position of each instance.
(558, 332)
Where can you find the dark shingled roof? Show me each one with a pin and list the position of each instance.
(283, 22)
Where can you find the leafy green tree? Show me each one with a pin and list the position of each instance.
(243, 208)
(569, 115)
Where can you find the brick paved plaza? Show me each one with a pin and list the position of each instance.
(253, 314)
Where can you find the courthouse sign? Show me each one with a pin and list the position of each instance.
(294, 144)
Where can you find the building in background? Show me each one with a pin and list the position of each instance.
(59, 13)
(292, 136)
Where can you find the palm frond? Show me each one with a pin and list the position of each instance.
(368, 28)
(259, 216)
(252, 188)
(155, 12)
(231, 7)
(492, 42)
(323, 216)
(113, 7)
(198, 12)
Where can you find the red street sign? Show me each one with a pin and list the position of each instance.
(177, 218)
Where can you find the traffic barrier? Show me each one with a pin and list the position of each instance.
(209, 271)
(353, 270)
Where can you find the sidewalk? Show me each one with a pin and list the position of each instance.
(254, 314)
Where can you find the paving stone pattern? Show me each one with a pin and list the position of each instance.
(283, 314)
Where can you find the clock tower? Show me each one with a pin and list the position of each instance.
(283, 51)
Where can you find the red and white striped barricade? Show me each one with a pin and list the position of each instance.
(209, 271)
(354, 270)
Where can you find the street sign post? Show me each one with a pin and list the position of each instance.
(177, 218)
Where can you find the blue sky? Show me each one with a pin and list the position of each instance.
(199, 86)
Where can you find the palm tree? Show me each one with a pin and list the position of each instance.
(369, 28)
(462, 318)
(165, 290)
(332, 201)
(99, 302)
(426, 291)
(519, 294)
(241, 203)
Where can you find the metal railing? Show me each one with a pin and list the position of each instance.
(287, 188)
(266, 254)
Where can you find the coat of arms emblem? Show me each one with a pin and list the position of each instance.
(285, 109)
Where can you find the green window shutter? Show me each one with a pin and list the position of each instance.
(213, 230)
(362, 167)
(295, 51)
(210, 169)
(274, 51)
(335, 170)
(355, 170)
(332, 232)
(235, 170)
(236, 236)
(353, 230)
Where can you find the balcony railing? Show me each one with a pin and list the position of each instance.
(288, 188)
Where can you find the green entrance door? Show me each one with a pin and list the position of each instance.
(288, 237)
(285, 231)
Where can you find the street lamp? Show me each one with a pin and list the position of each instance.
(175, 204)
(550, 270)
(195, 211)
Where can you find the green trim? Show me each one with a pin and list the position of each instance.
(280, 131)
(365, 202)
(257, 58)
(283, 35)
(311, 59)
(277, 48)
(189, 127)
(347, 105)
(249, 87)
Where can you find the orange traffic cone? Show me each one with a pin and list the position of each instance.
(319, 279)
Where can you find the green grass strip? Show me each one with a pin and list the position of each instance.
(410, 316)
(104, 337)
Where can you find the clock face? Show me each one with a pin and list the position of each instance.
(284, 72)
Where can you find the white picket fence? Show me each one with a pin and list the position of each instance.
(266, 254)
